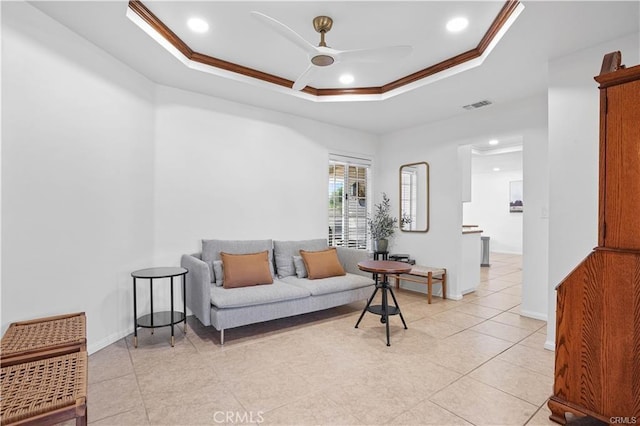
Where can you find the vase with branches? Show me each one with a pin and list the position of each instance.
(382, 224)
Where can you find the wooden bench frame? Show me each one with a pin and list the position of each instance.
(418, 275)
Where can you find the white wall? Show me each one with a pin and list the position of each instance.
(573, 159)
(464, 166)
(438, 247)
(231, 171)
(437, 144)
(489, 205)
(77, 181)
(535, 232)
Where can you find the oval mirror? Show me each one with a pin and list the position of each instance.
(414, 197)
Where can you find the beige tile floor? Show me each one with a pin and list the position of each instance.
(469, 362)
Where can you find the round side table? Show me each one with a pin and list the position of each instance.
(159, 319)
(383, 268)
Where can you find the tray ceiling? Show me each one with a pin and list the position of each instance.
(237, 46)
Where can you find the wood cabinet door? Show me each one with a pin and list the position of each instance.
(622, 167)
(598, 335)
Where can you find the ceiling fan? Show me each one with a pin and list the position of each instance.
(322, 55)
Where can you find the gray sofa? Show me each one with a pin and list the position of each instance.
(289, 295)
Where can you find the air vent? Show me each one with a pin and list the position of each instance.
(477, 105)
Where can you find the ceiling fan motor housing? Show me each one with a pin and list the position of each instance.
(322, 23)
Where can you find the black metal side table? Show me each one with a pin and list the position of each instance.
(159, 319)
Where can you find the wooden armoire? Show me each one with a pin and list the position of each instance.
(597, 365)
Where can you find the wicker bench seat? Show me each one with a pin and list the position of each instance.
(43, 337)
(425, 275)
(46, 391)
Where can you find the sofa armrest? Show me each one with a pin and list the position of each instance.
(349, 257)
(198, 287)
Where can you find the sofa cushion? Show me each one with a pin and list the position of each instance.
(330, 285)
(211, 250)
(285, 250)
(322, 264)
(256, 295)
(243, 270)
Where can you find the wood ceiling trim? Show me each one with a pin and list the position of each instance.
(501, 19)
(160, 27)
(434, 69)
(230, 66)
(509, 7)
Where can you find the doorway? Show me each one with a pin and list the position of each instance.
(496, 206)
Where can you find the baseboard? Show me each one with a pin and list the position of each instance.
(534, 315)
(550, 345)
(103, 343)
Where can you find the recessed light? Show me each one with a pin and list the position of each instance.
(493, 142)
(496, 169)
(198, 25)
(346, 78)
(457, 24)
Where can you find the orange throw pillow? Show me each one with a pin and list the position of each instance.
(243, 270)
(322, 264)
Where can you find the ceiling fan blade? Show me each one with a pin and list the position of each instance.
(302, 81)
(285, 31)
(379, 54)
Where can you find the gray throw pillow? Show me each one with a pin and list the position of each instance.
(218, 272)
(301, 270)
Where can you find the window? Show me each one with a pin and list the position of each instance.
(348, 207)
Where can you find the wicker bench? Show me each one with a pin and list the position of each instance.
(425, 275)
(43, 337)
(44, 371)
(46, 391)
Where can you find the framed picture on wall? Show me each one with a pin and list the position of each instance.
(515, 196)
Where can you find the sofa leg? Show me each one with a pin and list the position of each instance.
(222, 337)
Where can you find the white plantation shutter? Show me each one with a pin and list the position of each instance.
(348, 201)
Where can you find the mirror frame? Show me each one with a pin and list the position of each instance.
(400, 195)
